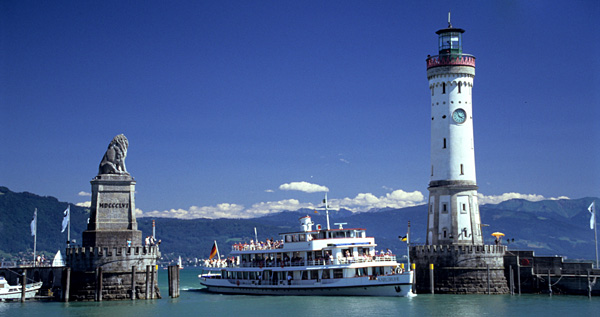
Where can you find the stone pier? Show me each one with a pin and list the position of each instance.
(460, 269)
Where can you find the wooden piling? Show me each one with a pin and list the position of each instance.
(147, 281)
(431, 281)
(153, 273)
(512, 281)
(589, 286)
(488, 279)
(23, 285)
(133, 282)
(549, 284)
(519, 274)
(98, 284)
(67, 285)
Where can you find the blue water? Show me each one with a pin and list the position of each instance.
(198, 303)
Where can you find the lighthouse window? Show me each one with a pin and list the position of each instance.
(432, 91)
(445, 144)
(462, 170)
(459, 85)
(443, 88)
(444, 207)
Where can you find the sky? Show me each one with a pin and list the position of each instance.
(243, 108)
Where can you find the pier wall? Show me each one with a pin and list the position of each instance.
(112, 268)
(460, 269)
(531, 274)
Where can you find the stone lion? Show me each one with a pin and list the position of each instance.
(113, 161)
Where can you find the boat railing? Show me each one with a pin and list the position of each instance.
(260, 246)
(318, 262)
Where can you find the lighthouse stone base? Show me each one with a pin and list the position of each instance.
(460, 269)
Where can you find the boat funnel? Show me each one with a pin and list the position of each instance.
(306, 224)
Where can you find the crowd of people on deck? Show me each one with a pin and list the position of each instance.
(259, 245)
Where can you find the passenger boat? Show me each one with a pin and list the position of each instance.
(309, 262)
(8, 291)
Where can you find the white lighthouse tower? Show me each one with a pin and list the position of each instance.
(453, 213)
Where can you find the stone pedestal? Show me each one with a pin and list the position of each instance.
(460, 269)
(112, 215)
(112, 264)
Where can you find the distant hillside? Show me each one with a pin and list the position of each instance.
(16, 213)
(548, 227)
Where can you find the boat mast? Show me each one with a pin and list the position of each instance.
(326, 210)
(34, 234)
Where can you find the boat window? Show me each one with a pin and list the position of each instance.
(302, 237)
(352, 234)
(245, 275)
(325, 274)
(252, 275)
(305, 275)
(288, 238)
(338, 273)
(314, 275)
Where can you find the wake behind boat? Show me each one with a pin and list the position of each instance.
(309, 262)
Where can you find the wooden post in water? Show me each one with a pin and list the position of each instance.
(549, 284)
(519, 274)
(99, 284)
(170, 279)
(488, 279)
(512, 281)
(147, 281)
(589, 286)
(431, 282)
(67, 286)
(23, 285)
(133, 282)
(152, 281)
(177, 281)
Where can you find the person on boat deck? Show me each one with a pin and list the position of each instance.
(289, 278)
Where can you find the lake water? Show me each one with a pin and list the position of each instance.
(198, 303)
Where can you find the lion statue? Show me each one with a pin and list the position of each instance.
(113, 161)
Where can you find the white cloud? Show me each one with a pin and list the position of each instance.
(85, 204)
(365, 201)
(82, 193)
(223, 210)
(344, 161)
(496, 199)
(304, 187)
(269, 191)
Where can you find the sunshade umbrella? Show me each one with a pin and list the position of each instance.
(498, 234)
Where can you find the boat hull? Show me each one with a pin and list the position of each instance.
(397, 285)
(30, 292)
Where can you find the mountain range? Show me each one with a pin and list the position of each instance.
(549, 227)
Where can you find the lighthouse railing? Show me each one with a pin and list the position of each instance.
(451, 60)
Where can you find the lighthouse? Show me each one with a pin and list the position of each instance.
(453, 212)
(454, 259)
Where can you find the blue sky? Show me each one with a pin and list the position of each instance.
(242, 108)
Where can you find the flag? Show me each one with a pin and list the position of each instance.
(34, 223)
(592, 210)
(66, 219)
(213, 251)
(403, 238)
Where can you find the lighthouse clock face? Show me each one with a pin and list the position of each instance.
(459, 115)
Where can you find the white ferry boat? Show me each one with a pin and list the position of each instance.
(309, 262)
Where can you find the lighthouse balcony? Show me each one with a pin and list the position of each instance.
(451, 60)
